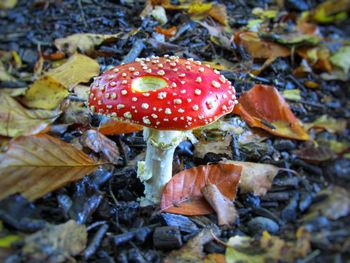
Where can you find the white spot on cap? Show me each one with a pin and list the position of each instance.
(165, 119)
(112, 84)
(115, 70)
(107, 95)
(146, 120)
(113, 114)
(177, 101)
(111, 76)
(201, 69)
(136, 73)
(167, 111)
(224, 108)
(124, 74)
(216, 84)
(161, 72)
(131, 68)
(127, 115)
(216, 72)
(124, 92)
(197, 91)
(113, 95)
(120, 106)
(160, 65)
(173, 85)
(199, 79)
(195, 107)
(144, 106)
(183, 82)
(189, 100)
(162, 95)
(173, 64)
(134, 99)
(146, 94)
(182, 75)
(124, 81)
(148, 70)
(222, 79)
(181, 110)
(154, 116)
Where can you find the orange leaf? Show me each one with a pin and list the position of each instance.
(258, 48)
(182, 195)
(168, 32)
(113, 127)
(265, 108)
(36, 165)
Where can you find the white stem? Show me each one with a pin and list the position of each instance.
(156, 171)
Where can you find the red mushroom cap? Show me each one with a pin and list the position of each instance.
(165, 93)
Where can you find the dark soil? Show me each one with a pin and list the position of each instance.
(106, 201)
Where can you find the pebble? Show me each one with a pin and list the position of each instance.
(289, 213)
(284, 145)
(260, 224)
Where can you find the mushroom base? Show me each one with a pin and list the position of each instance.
(156, 170)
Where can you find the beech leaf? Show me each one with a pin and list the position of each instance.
(328, 123)
(114, 127)
(15, 120)
(36, 165)
(256, 178)
(263, 107)
(182, 194)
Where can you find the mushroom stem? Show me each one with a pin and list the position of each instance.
(156, 170)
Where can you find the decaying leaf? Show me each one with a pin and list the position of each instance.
(223, 206)
(336, 205)
(201, 10)
(114, 127)
(193, 250)
(263, 107)
(330, 11)
(328, 123)
(7, 4)
(168, 32)
(292, 94)
(97, 142)
(182, 194)
(316, 153)
(76, 113)
(77, 69)
(55, 243)
(83, 42)
(318, 57)
(268, 249)
(215, 258)
(15, 120)
(36, 165)
(221, 146)
(45, 93)
(256, 178)
(341, 59)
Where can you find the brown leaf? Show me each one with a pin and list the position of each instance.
(55, 243)
(182, 194)
(100, 143)
(258, 48)
(114, 127)
(15, 120)
(317, 57)
(256, 178)
(263, 107)
(316, 154)
(36, 165)
(215, 258)
(223, 206)
(168, 32)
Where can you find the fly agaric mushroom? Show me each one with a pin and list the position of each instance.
(168, 95)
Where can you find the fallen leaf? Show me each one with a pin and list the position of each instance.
(340, 59)
(182, 194)
(221, 146)
(15, 120)
(45, 93)
(255, 178)
(270, 248)
(316, 154)
(328, 123)
(317, 57)
(168, 32)
(259, 48)
(263, 107)
(330, 11)
(83, 42)
(200, 10)
(336, 205)
(76, 113)
(36, 165)
(215, 258)
(192, 251)
(223, 206)
(159, 14)
(7, 4)
(77, 69)
(55, 243)
(113, 127)
(291, 38)
(97, 142)
(292, 94)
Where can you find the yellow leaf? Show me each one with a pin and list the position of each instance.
(15, 120)
(6, 241)
(328, 123)
(37, 165)
(83, 42)
(77, 69)
(45, 93)
(7, 4)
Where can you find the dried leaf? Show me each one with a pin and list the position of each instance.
(331, 11)
(341, 59)
(114, 127)
(45, 93)
(292, 94)
(77, 69)
(328, 123)
(258, 48)
(7, 4)
(221, 146)
(182, 194)
(36, 165)
(256, 178)
(315, 154)
(317, 57)
(97, 142)
(55, 243)
(192, 251)
(336, 205)
(215, 258)
(263, 107)
(200, 10)
(15, 120)
(83, 42)
(168, 32)
(223, 206)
